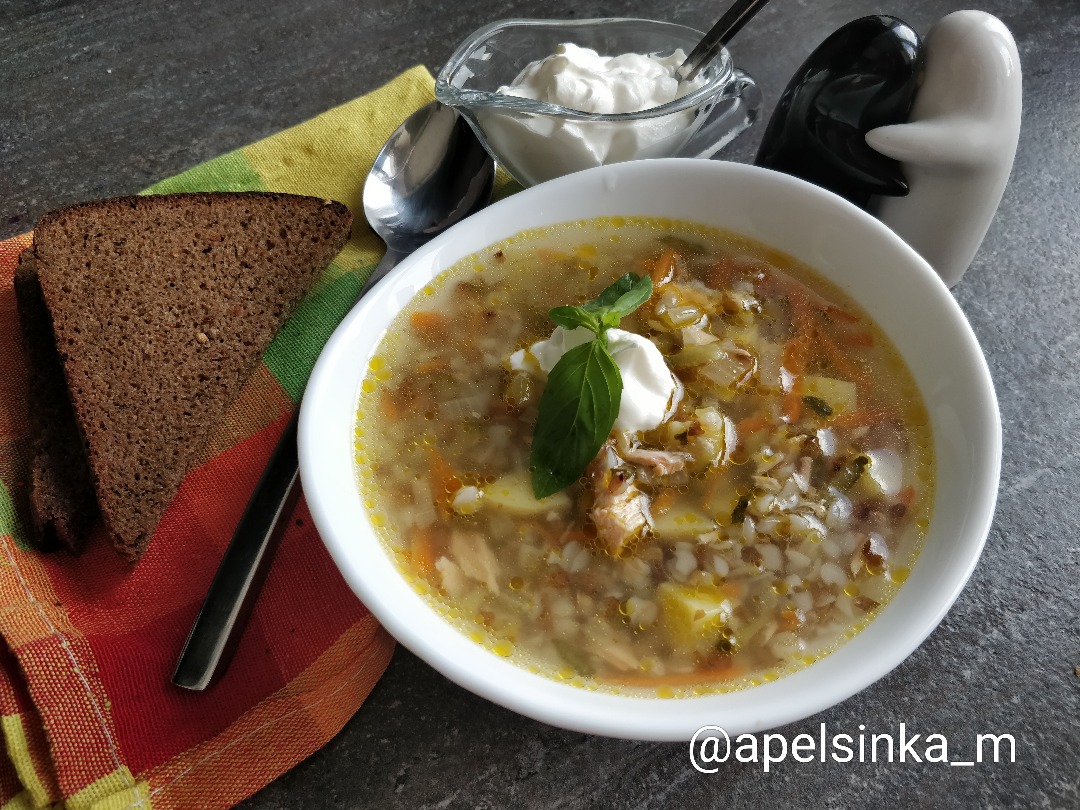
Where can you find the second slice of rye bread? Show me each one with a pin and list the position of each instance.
(160, 307)
(63, 507)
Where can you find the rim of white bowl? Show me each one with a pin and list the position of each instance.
(913, 307)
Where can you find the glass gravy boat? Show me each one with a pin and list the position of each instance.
(536, 141)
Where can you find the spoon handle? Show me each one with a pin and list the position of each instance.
(386, 264)
(240, 575)
(242, 570)
(718, 36)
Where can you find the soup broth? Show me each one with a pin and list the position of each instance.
(767, 520)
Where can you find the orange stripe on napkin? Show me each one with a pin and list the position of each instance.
(24, 737)
(9, 256)
(63, 681)
(312, 707)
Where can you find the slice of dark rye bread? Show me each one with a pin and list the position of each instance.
(142, 318)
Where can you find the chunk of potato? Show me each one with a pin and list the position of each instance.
(840, 395)
(693, 617)
(681, 522)
(513, 493)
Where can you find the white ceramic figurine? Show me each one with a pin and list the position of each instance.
(958, 145)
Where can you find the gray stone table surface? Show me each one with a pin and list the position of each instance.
(103, 97)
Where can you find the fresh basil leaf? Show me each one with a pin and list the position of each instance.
(576, 413)
(624, 296)
(610, 307)
(571, 317)
(633, 298)
(620, 287)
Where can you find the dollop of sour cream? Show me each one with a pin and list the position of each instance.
(539, 147)
(582, 79)
(650, 394)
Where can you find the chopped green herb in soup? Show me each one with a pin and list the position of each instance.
(735, 464)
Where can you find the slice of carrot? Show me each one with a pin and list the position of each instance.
(704, 676)
(751, 424)
(424, 549)
(444, 481)
(857, 340)
(795, 352)
(662, 269)
(840, 315)
(429, 324)
(388, 407)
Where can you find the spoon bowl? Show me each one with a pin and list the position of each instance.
(430, 174)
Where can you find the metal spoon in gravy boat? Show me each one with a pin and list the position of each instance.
(717, 37)
(431, 174)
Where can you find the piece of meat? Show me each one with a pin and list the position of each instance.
(661, 462)
(620, 510)
(453, 581)
(475, 558)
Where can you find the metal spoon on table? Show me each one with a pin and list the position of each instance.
(717, 37)
(431, 174)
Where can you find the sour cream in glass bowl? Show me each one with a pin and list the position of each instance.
(846, 246)
(550, 97)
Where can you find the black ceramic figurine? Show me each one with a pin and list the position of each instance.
(863, 76)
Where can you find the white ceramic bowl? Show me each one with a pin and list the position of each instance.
(898, 289)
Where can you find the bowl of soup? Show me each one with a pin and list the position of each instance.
(655, 446)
